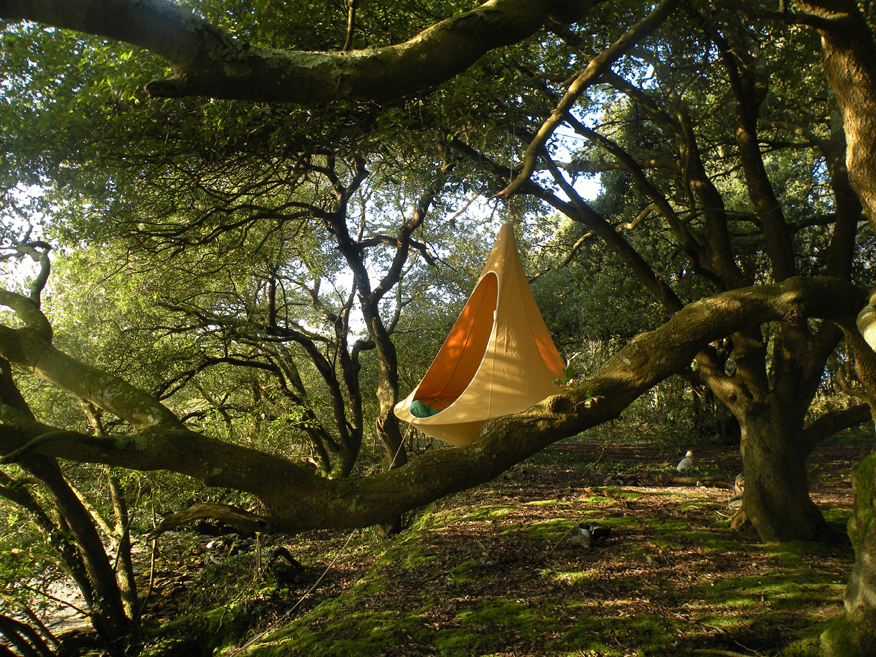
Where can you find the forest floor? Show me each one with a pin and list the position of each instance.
(494, 571)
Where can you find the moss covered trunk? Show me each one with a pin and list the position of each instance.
(854, 635)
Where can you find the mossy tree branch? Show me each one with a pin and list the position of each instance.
(207, 61)
(294, 499)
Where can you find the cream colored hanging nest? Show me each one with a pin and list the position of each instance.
(498, 359)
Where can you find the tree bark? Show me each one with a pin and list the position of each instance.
(86, 560)
(777, 498)
(108, 612)
(125, 564)
(850, 66)
(207, 61)
(854, 635)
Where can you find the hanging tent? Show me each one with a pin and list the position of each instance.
(498, 359)
(867, 322)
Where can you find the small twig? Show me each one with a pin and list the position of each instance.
(351, 24)
(258, 558)
(151, 570)
(726, 653)
(602, 453)
(574, 526)
(433, 577)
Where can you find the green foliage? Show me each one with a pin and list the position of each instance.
(20, 547)
(197, 258)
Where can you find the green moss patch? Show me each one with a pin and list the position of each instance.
(496, 573)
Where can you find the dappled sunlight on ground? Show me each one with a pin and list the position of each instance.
(493, 571)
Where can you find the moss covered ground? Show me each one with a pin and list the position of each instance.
(494, 572)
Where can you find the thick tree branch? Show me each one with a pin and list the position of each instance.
(749, 92)
(850, 66)
(576, 247)
(295, 499)
(829, 424)
(233, 516)
(33, 352)
(28, 311)
(39, 253)
(207, 61)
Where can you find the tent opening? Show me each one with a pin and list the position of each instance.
(463, 351)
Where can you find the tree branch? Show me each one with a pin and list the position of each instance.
(28, 311)
(32, 351)
(294, 499)
(649, 190)
(598, 65)
(850, 66)
(230, 515)
(351, 24)
(830, 423)
(207, 61)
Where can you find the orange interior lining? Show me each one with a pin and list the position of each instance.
(462, 352)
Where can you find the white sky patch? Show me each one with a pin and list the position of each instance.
(564, 145)
(17, 273)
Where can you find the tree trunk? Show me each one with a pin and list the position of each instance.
(854, 635)
(99, 586)
(107, 610)
(850, 66)
(390, 435)
(777, 498)
(125, 563)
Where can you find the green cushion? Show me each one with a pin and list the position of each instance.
(419, 409)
